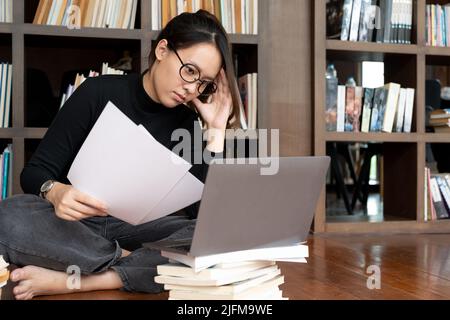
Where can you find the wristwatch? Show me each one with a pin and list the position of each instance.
(46, 187)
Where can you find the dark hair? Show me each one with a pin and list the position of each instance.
(188, 29)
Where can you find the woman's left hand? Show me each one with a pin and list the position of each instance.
(216, 112)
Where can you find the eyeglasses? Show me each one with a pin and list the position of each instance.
(190, 74)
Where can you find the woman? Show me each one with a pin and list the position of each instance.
(54, 226)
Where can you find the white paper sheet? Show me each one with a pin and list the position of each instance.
(187, 191)
(130, 171)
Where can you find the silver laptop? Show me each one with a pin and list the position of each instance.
(241, 208)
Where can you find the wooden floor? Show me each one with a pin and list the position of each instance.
(412, 267)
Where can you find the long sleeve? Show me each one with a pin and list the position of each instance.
(199, 168)
(56, 152)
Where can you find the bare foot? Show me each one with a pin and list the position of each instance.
(36, 281)
(125, 253)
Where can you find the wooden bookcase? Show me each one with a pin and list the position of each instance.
(56, 49)
(404, 153)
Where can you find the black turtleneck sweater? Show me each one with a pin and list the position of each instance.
(56, 152)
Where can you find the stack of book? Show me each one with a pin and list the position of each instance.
(382, 21)
(119, 14)
(440, 120)
(4, 274)
(80, 78)
(387, 109)
(236, 16)
(239, 275)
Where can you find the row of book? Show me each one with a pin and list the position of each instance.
(6, 159)
(437, 196)
(382, 21)
(4, 274)
(5, 94)
(388, 109)
(237, 16)
(240, 275)
(249, 96)
(437, 24)
(119, 14)
(6, 13)
(80, 78)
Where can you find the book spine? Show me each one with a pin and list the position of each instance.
(365, 20)
(367, 110)
(340, 125)
(346, 19)
(5, 173)
(441, 211)
(354, 26)
(445, 192)
(388, 22)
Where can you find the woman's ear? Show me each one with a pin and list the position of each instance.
(162, 50)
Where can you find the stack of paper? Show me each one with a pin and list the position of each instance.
(240, 275)
(4, 274)
(124, 166)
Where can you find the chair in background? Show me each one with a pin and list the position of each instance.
(338, 151)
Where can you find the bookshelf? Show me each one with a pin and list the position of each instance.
(403, 153)
(56, 49)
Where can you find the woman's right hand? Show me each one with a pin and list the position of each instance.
(73, 205)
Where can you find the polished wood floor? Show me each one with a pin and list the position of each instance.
(411, 267)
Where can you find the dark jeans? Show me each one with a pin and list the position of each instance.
(31, 234)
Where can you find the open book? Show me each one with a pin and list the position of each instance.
(123, 165)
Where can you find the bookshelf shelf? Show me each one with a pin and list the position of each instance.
(6, 27)
(9, 133)
(244, 39)
(44, 30)
(435, 137)
(403, 153)
(370, 137)
(27, 133)
(234, 38)
(437, 51)
(389, 227)
(371, 47)
(33, 133)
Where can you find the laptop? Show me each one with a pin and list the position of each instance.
(243, 209)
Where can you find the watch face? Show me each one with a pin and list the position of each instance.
(46, 186)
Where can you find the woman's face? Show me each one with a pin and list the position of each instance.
(168, 86)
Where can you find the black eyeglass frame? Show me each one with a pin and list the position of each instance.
(202, 82)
